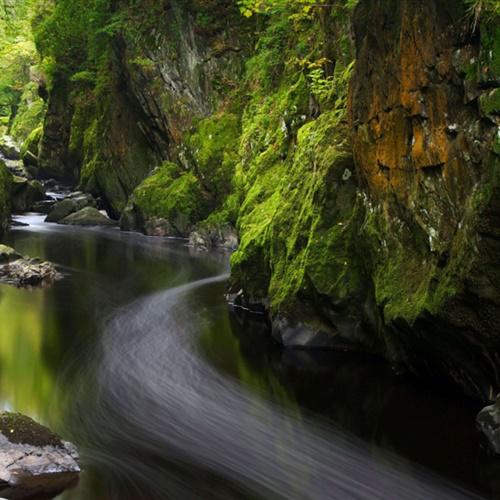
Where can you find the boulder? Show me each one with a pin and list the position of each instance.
(44, 206)
(88, 216)
(224, 237)
(22, 272)
(488, 422)
(158, 226)
(72, 203)
(34, 462)
(25, 193)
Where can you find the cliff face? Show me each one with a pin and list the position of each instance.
(367, 219)
(425, 142)
(141, 87)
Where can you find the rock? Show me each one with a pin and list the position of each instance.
(25, 193)
(61, 210)
(224, 237)
(29, 150)
(9, 148)
(157, 226)
(8, 254)
(34, 462)
(302, 334)
(44, 206)
(72, 203)
(488, 422)
(23, 272)
(29, 159)
(88, 216)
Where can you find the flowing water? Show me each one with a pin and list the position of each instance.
(135, 357)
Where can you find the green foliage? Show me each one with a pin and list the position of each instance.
(300, 8)
(483, 11)
(29, 115)
(17, 56)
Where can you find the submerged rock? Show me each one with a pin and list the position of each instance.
(488, 422)
(88, 216)
(34, 462)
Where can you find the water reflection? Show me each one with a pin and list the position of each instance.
(105, 357)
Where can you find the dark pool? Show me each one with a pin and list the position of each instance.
(135, 357)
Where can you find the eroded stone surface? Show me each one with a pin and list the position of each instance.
(34, 462)
(24, 272)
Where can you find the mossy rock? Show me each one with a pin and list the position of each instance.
(88, 216)
(21, 429)
(172, 195)
(30, 147)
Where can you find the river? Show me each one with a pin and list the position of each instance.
(135, 357)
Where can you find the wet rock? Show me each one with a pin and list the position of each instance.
(9, 148)
(25, 193)
(302, 334)
(34, 462)
(224, 237)
(88, 216)
(61, 210)
(44, 206)
(72, 203)
(156, 226)
(488, 422)
(23, 272)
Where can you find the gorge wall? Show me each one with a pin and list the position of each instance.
(353, 149)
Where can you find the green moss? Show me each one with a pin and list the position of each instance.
(29, 115)
(490, 102)
(214, 146)
(32, 142)
(20, 429)
(173, 195)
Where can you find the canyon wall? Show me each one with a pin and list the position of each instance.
(354, 151)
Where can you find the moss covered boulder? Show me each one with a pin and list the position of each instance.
(25, 193)
(34, 462)
(30, 148)
(88, 216)
(168, 203)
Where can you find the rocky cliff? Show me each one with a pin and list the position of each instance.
(355, 150)
(424, 113)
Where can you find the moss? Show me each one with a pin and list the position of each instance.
(490, 49)
(32, 142)
(214, 146)
(23, 430)
(30, 113)
(490, 102)
(172, 195)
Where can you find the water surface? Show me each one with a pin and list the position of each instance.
(135, 357)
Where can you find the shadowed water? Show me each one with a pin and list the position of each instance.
(135, 357)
